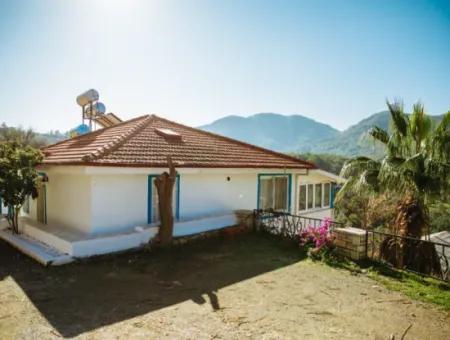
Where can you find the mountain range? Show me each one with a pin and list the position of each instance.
(289, 133)
(299, 134)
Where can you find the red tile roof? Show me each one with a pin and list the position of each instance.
(139, 142)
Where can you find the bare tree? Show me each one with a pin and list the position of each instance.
(164, 186)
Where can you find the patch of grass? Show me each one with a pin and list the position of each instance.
(415, 286)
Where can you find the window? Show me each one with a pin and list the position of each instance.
(153, 213)
(314, 196)
(326, 194)
(318, 196)
(273, 192)
(310, 196)
(302, 198)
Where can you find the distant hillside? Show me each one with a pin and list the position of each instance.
(327, 162)
(52, 137)
(299, 134)
(273, 131)
(35, 139)
(354, 140)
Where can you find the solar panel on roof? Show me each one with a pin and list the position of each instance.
(107, 120)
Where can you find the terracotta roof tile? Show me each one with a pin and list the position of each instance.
(139, 142)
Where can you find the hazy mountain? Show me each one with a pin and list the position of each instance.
(273, 131)
(354, 140)
(299, 134)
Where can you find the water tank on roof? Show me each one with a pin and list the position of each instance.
(98, 109)
(87, 97)
(79, 130)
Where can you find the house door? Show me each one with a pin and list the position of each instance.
(41, 204)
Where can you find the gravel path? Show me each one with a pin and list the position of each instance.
(249, 287)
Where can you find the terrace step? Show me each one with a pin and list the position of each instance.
(37, 250)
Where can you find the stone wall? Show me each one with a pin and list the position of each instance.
(351, 242)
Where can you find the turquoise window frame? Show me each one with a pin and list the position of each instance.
(332, 194)
(150, 198)
(258, 190)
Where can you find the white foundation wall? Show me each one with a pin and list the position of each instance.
(68, 201)
(319, 214)
(119, 202)
(212, 194)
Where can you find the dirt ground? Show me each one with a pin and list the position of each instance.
(251, 286)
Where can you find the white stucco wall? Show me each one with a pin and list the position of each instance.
(118, 202)
(101, 200)
(69, 201)
(211, 194)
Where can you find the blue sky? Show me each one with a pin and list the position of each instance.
(196, 61)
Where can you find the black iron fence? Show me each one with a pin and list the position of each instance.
(286, 224)
(417, 255)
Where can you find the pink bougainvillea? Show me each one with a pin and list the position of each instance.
(317, 237)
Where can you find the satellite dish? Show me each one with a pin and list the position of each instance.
(87, 97)
(98, 109)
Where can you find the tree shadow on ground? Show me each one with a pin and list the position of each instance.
(83, 296)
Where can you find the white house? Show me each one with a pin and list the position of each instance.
(97, 192)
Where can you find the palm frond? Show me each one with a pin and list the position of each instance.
(393, 176)
(444, 125)
(440, 141)
(399, 119)
(379, 134)
(356, 166)
(420, 126)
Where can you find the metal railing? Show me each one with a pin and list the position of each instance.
(286, 224)
(416, 255)
(412, 254)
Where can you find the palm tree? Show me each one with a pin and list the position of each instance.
(416, 164)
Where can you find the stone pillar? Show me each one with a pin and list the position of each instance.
(351, 242)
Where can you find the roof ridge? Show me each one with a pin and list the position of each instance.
(94, 132)
(291, 158)
(118, 141)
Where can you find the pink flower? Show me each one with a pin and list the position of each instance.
(319, 236)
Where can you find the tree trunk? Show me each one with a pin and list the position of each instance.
(164, 186)
(15, 220)
(412, 254)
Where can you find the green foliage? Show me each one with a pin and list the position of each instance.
(415, 286)
(328, 162)
(416, 159)
(367, 211)
(18, 175)
(439, 216)
(29, 137)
